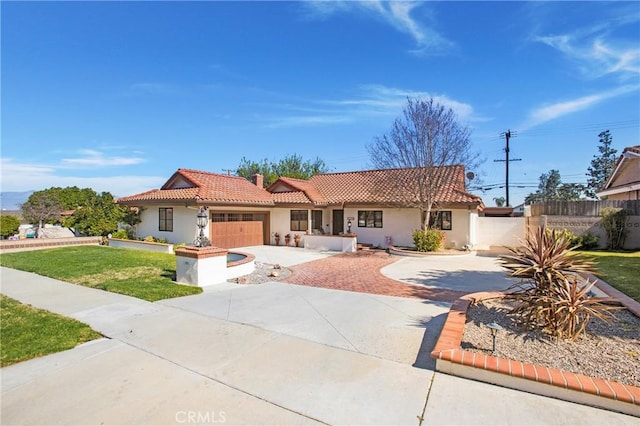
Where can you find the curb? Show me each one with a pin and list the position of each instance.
(451, 359)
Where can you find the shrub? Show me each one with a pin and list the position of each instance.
(428, 240)
(551, 295)
(588, 241)
(120, 233)
(614, 222)
(9, 225)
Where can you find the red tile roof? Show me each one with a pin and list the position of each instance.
(360, 187)
(204, 187)
(389, 186)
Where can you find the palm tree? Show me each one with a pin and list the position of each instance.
(499, 201)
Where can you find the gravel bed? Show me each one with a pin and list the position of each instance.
(264, 272)
(609, 351)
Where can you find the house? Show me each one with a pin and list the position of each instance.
(624, 182)
(243, 213)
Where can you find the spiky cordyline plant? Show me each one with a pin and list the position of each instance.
(551, 294)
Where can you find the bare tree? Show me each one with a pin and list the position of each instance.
(427, 138)
(40, 208)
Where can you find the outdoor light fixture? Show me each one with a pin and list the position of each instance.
(494, 327)
(349, 226)
(201, 221)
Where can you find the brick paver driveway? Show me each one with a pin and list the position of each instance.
(360, 272)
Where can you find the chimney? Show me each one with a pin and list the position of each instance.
(258, 180)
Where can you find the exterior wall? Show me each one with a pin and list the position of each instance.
(281, 223)
(580, 225)
(184, 224)
(400, 223)
(499, 232)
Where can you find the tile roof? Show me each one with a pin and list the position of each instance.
(361, 187)
(388, 186)
(205, 187)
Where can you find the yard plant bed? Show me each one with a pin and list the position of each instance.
(609, 351)
(28, 332)
(146, 275)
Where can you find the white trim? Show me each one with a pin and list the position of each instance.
(618, 190)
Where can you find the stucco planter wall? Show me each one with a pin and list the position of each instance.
(141, 245)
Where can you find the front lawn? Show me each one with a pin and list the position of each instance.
(28, 332)
(620, 270)
(145, 275)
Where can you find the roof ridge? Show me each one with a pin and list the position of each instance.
(391, 168)
(210, 173)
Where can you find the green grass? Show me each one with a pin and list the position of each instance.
(620, 270)
(28, 332)
(145, 275)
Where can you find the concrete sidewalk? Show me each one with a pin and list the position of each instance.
(265, 354)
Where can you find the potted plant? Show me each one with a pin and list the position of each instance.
(277, 238)
(296, 239)
(287, 239)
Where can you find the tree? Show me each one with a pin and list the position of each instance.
(426, 138)
(602, 165)
(551, 188)
(93, 213)
(9, 225)
(99, 215)
(41, 207)
(499, 201)
(290, 166)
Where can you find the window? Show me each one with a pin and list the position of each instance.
(299, 220)
(440, 220)
(369, 218)
(218, 217)
(233, 217)
(165, 215)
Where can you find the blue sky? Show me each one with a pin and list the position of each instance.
(118, 95)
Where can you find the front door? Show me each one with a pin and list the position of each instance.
(338, 222)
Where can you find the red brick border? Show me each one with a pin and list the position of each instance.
(448, 348)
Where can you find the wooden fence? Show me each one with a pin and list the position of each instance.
(583, 207)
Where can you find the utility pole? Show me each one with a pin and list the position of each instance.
(507, 135)
(228, 171)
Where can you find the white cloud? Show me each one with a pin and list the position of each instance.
(397, 14)
(306, 121)
(93, 158)
(17, 176)
(391, 100)
(595, 52)
(372, 101)
(551, 112)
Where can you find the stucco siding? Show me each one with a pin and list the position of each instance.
(184, 224)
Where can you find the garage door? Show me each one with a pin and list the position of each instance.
(238, 229)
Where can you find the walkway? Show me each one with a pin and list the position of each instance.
(360, 272)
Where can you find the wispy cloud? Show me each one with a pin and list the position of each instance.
(19, 176)
(93, 158)
(551, 112)
(398, 14)
(371, 101)
(596, 52)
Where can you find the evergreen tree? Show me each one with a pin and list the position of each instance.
(602, 165)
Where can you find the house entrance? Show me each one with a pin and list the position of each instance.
(239, 229)
(338, 222)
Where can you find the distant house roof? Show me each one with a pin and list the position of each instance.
(626, 174)
(369, 187)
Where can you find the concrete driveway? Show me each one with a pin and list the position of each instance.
(467, 273)
(272, 353)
